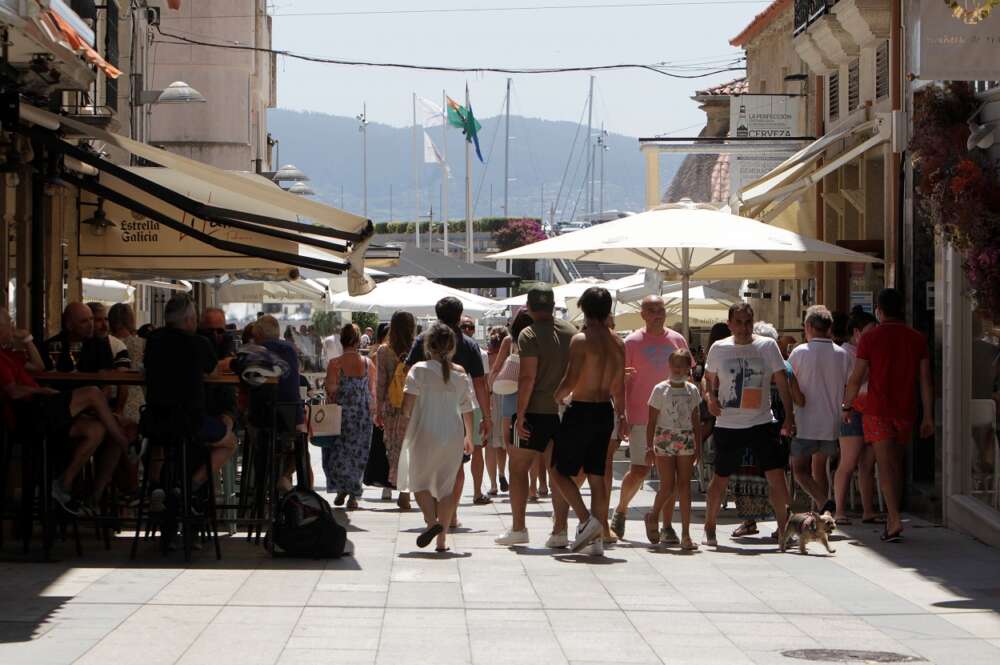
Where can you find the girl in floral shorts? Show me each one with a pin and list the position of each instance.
(675, 443)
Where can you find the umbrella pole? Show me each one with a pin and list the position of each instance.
(685, 303)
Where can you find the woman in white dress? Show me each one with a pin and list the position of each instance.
(438, 402)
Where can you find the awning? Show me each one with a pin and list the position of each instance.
(61, 30)
(203, 193)
(448, 271)
(768, 196)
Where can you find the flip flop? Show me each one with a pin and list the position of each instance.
(442, 550)
(482, 500)
(426, 536)
(874, 520)
(744, 530)
(896, 537)
(842, 521)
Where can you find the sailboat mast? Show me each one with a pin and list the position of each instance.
(602, 141)
(444, 167)
(506, 155)
(590, 153)
(417, 159)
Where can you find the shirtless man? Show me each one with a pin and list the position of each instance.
(594, 376)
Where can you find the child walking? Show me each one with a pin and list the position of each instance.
(438, 403)
(675, 443)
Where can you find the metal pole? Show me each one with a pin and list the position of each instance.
(444, 168)
(506, 155)
(390, 203)
(602, 141)
(593, 172)
(685, 298)
(363, 118)
(469, 252)
(417, 160)
(590, 154)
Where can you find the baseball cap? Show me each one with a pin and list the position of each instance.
(541, 298)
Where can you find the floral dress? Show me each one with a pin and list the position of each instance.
(394, 421)
(344, 462)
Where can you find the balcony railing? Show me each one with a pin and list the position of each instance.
(808, 11)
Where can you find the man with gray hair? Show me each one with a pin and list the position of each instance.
(821, 369)
(176, 361)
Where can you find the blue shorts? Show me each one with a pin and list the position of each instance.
(854, 427)
(213, 429)
(809, 447)
(509, 409)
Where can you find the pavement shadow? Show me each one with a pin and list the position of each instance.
(450, 554)
(589, 559)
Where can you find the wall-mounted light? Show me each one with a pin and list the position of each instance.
(980, 136)
(99, 222)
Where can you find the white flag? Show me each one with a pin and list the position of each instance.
(432, 155)
(429, 114)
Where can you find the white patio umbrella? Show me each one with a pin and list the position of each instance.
(242, 290)
(106, 290)
(414, 294)
(705, 304)
(684, 239)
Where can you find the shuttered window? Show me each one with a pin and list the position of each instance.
(833, 94)
(853, 86)
(882, 70)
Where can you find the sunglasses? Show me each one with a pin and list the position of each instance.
(467, 327)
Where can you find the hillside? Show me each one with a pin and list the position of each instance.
(328, 149)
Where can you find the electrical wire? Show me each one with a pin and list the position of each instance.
(183, 41)
(496, 10)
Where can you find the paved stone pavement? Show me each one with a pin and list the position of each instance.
(935, 598)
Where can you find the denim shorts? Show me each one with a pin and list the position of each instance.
(809, 447)
(854, 427)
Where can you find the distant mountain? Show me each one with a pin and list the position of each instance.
(328, 149)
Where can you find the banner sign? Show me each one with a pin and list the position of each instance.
(765, 116)
(945, 48)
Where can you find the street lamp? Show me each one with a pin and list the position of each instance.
(302, 189)
(289, 173)
(363, 128)
(177, 92)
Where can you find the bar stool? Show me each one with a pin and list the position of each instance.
(168, 429)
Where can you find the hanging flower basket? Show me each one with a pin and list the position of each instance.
(958, 190)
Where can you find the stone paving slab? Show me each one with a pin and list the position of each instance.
(936, 597)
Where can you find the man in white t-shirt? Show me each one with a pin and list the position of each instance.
(738, 372)
(821, 369)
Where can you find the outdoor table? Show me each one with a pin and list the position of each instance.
(134, 378)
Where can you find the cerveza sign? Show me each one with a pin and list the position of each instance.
(764, 116)
(143, 230)
(945, 48)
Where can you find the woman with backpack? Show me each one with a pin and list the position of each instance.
(439, 403)
(350, 382)
(391, 365)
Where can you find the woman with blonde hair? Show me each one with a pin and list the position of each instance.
(390, 361)
(350, 382)
(439, 404)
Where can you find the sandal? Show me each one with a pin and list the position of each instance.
(403, 501)
(745, 530)
(896, 537)
(878, 519)
(842, 521)
(352, 503)
(652, 528)
(482, 500)
(429, 534)
(688, 545)
(492, 493)
(442, 550)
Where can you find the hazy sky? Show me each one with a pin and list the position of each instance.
(634, 102)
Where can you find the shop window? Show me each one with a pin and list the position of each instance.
(984, 453)
(882, 70)
(833, 95)
(853, 86)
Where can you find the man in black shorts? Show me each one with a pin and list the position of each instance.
(595, 374)
(738, 373)
(544, 349)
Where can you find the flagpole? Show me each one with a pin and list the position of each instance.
(417, 159)
(590, 153)
(470, 253)
(444, 168)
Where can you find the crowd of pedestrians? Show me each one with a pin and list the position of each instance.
(542, 406)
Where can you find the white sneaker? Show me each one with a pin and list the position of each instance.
(596, 548)
(511, 537)
(586, 533)
(557, 540)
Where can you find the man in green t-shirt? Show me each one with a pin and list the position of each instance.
(544, 351)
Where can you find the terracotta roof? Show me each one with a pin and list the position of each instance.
(760, 22)
(735, 87)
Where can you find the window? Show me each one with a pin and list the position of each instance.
(853, 86)
(833, 95)
(762, 87)
(882, 70)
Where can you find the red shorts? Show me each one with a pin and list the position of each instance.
(879, 428)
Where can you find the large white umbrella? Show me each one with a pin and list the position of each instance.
(414, 294)
(683, 240)
(705, 305)
(106, 290)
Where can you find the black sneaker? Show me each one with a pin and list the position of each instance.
(504, 486)
(67, 502)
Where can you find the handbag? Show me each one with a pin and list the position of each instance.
(324, 424)
(505, 382)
